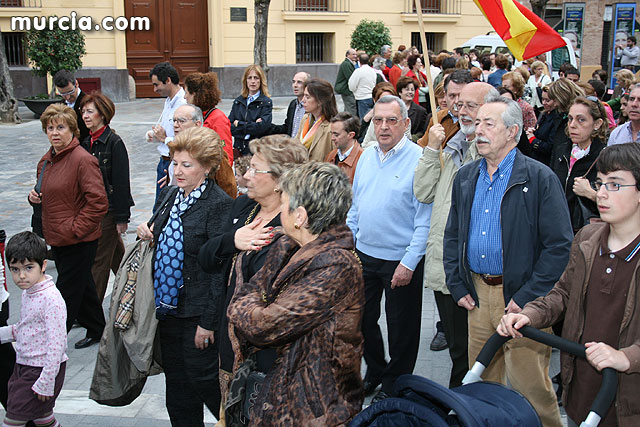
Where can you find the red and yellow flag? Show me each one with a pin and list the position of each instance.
(524, 33)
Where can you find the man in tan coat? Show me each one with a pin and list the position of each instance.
(432, 184)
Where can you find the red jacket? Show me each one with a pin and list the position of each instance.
(74, 200)
(215, 119)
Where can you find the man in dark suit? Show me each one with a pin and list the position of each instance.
(68, 88)
(295, 110)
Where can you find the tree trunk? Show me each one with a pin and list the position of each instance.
(260, 33)
(538, 7)
(8, 101)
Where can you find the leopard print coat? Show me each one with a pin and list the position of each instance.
(307, 303)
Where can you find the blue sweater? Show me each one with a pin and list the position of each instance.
(388, 222)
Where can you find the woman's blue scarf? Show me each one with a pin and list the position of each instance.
(169, 260)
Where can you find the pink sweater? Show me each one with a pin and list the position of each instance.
(41, 333)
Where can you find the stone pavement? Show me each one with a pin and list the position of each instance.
(21, 146)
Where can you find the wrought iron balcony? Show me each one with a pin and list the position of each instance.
(20, 3)
(444, 7)
(316, 5)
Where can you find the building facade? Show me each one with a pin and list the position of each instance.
(201, 35)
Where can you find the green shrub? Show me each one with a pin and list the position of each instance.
(370, 36)
(53, 50)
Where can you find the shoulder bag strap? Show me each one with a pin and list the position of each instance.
(208, 114)
(166, 199)
(38, 186)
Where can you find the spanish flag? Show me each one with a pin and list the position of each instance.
(524, 33)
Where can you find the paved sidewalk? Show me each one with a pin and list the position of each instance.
(21, 146)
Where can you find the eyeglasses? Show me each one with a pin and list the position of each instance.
(67, 93)
(469, 105)
(254, 171)
(391, 121)
(610, 186)
(180, 120)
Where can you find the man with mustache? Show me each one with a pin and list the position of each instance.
(507, 242)
(432, 184)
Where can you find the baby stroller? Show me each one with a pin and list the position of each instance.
(418, 401)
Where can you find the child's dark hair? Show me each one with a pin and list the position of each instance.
(26, 246)
(621, 157)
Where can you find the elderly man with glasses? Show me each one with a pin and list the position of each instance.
(390, 227)
(432, 184)
(68, 88)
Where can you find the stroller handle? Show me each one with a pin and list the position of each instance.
(607, 392)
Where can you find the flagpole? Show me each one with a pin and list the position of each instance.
(427, 64)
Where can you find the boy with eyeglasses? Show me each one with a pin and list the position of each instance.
(597, 295)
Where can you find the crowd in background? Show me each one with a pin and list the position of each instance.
(267, 252)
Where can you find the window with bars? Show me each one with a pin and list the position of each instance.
(434, 41)
(14, 49)
(314, 47)
(428, 6)
(312, 5)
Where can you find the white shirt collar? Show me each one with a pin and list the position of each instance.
(385, 156)
(343, 156)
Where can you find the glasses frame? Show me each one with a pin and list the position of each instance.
(609, 186)
(70, 92)
(253, 171)
(391, 121)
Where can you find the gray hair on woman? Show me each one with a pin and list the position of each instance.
(278, 151)
(388, 99)
(322, 189)
(512, 115)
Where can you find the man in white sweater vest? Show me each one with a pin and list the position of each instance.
(361, 83)
(390, 227)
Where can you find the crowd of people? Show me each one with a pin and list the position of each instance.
(517, 202)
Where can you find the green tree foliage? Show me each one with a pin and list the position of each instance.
(53, 50)
(370, 36)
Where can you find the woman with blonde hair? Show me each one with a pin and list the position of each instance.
(188, 299)
(247, 234)
(536, 82)
(251, 112)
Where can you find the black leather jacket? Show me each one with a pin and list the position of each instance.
(113, 161)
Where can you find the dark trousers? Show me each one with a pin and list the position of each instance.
(76, 285)
(162, 170)
(364, 105)
(191, 374)
(108, 255)
(7, 357)
(403, 308)
(454, 323)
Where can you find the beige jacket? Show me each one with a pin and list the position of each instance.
(433, 184)
(321, 145)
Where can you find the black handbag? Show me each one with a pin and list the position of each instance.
(36, 218)
(243, 392)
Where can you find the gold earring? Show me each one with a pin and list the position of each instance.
(296, 226)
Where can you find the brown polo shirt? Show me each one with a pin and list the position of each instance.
(605, 300)
(348, 165)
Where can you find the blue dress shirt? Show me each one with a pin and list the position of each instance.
(484, 253)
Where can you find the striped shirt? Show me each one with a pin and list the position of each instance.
(484, 253)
